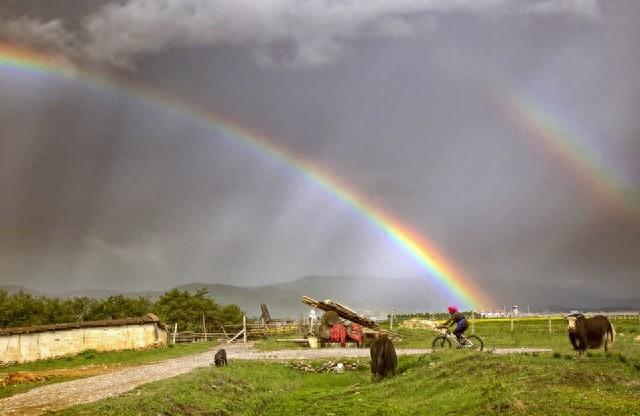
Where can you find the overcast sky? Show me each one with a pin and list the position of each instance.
(406, 101)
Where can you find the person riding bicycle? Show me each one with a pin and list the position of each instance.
(461, 323)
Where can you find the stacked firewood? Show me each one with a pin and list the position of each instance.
(346, 313)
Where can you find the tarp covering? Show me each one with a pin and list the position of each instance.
(356, 333)
(338, 334)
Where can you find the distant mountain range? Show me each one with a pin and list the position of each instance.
(371, 295)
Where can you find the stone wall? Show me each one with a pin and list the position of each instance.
(24, 347)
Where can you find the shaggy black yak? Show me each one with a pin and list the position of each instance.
(383, 357)
(220, 358)
(592, 332)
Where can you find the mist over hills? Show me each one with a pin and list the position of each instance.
(372, 295)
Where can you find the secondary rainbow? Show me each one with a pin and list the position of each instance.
(455, 283)
(565, 144)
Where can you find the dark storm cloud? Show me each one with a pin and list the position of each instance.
(404, 101)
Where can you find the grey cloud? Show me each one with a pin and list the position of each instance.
(101, 190)
(49, 35)
(278, 32)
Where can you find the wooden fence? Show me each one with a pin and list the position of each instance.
(241, 332)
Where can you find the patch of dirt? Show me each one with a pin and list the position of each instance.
(519, 405)
(20, 377)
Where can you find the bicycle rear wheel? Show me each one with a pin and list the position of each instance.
(474, 343)
(441, 343)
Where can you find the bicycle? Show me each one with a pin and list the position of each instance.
(448, 339)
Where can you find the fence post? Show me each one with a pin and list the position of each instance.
(511, 323)
(244, 327)
(473, 322)
(204, 327)
(224, 331)
(175, 330)
(550, 330)
(391, 319)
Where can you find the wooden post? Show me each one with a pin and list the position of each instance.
(224, 332)
(512, 324)
(175, 331)
(242, 331)
(550, 330)
(204, 327)
(473, 322)
(391, 320)
(244, 328)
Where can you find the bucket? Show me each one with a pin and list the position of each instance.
(313, 342)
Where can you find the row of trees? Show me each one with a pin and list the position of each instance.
(176, 306)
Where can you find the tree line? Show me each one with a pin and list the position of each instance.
(175, 306)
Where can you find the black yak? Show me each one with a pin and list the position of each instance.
(592, 332)
(383, 357)
(220, 358)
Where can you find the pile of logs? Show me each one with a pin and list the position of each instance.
(346, 313)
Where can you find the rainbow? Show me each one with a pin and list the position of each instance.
(564, 144)
(424, 252)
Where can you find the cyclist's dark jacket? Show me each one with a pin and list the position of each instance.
(456, 317)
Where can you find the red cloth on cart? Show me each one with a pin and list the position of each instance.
(356, 333)
(338, 334)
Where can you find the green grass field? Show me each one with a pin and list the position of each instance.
(89, 358)
(456, 382)
(112, 358)
(453, 382)
(527, 333)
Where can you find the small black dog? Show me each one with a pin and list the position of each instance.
(220, 358)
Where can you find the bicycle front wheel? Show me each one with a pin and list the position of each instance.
(441, 343)
(475, 343)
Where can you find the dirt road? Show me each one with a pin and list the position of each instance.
(61, 395)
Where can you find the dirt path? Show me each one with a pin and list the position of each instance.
(61, 395)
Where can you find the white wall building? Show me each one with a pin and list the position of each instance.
(32, 343)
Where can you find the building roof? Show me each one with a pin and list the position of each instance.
(147, 319)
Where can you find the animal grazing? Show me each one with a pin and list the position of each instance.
(383, 357)
(592, 332)
(220, 358)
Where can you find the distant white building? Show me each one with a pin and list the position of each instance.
(492, 314)
(514, 310)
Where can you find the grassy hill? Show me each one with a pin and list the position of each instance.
(454, 382)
